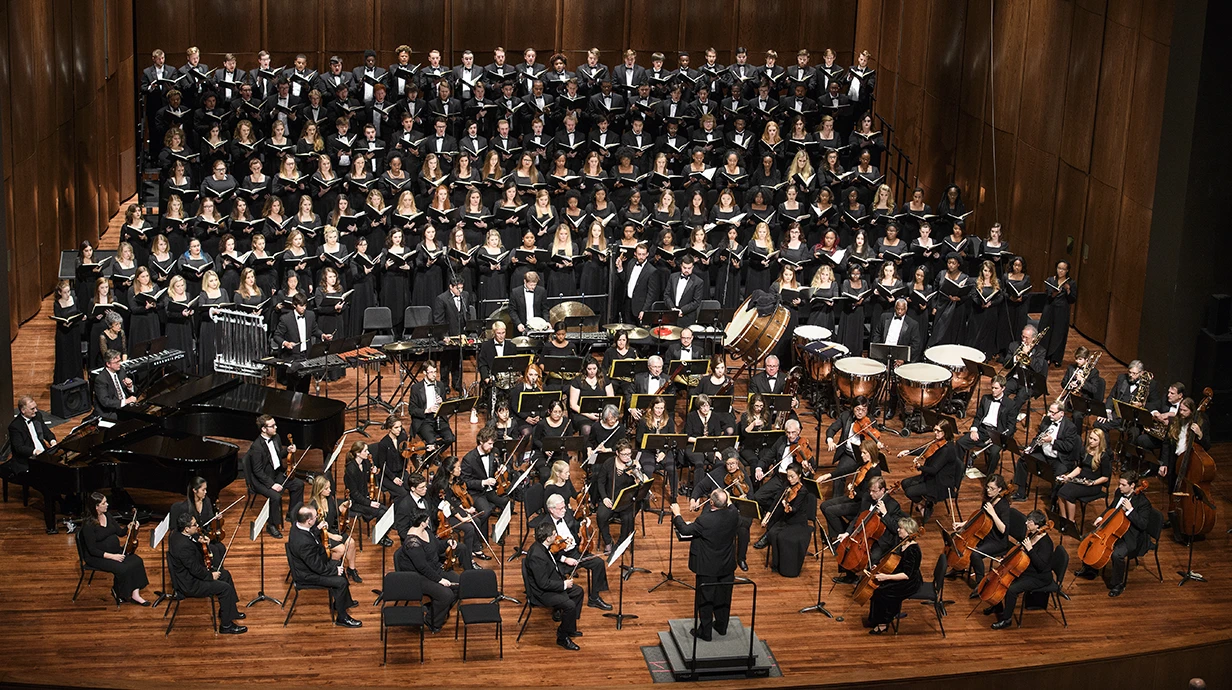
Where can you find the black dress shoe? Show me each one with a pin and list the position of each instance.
(1002, 625)
(273, 531)
(877, 631)
(1017, 498)
(481, 556)
(141, 603)
(1086, 573)
(694, 633)
(232, 629)
(353, 604)
(53, 530)
(387, 542)
(348, 622)
(353, 574)
(846, 579)
(989, 610)
(744, 566)
(1116, 591)
(975, 594)
(762, 543)
(599, 603)
(567, 644)
(575, 633)
(240, 615)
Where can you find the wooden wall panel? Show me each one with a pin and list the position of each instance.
(48, 186)
(709, 25)
(1125, 12)
(597, 25)
(1156, 23)
(868, 27)
(1028, 224)
(829, 25)
(533, 24)
(1042, 110)
(1081, 88)
(996, 182)
(656, 27)
(169, 25)
(934, 163)
(61, 56)
(480, 26)
(1094, 269)
(1125, 301)
(975, 58)
(1011, 27)
(1068, 219)
(1116, 81)
(1146, 122)
(770, 24)
(348, 25)
(291, 27)
(227, 26)
(6, 105)
(420, 25)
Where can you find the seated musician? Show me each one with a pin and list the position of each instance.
(1088, 479)
(266, 460)
(454, 503)
(528, 415)
(388, 458)
(650, 382)
(502, 423)
(608, 432)
(770, 380)
(876, 497)
(478, 471)
(590, 383)
(29, 437)
(554, 425)
(545, 586)
(422, 552)
(939, 476)
(703, 421)
(1132, 499)
(686, 349)
(775, 460)
(111, 392)
(1186, 428)
(423, 402)
(716, 383)
(1006, 522)
(1038, 545)
(559, 483)
(848, 497)
(1126, 389)
(788, 512)
(100, 536)
(558, 346)
(311, 565)
(489, 350)
(610, 478)
(717, 477)
(896, 587)
(528, 302)
(359, 468)
(1036, 358)
(754, 419)
(1162, 411)
(342, 546)
(199, 505)
(1056, 443)
(997, 411)
(1093, 387)
(841, 438)
(415, 502)
(192, 578)
(658, 421)
(571, 558)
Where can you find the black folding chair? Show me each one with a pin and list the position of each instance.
(478, 585)
(297, 586)
(1060, 563)
(401, 607)
(932, 593)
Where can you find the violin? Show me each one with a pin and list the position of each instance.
(996, 583)
(1095, 550)
(559, 545)
(736, 484)
(444, 532)
(204, 542)
(858, 477)
(374, 487)
(784, 502)
(1191, 506)
(929, 450)
(325, 538)
(131, 540)
(888, 564)
(802, 452)
(963, 540)
(463, 496)
(853, 551)
(864, 427)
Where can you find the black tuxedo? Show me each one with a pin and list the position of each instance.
(763, 384)
(190, 577)
(486, 358)
(107, 399)
(487, 502)
(517, 305)
(310, 565)
(288, 332)
(431, 429)
(596, 566)
(545, 586)
(1093, 389)
(645, 291)
(1067, 445)
(909, 334)
(23, 443)
(608, 484)
(1122, 390)
(712, 559)
(622, 82)
(355, 478)
(690, 298)
(1007, 422)
(358, 73)
(698, 350)
(446, 312)
(265, 475)
(328, 82)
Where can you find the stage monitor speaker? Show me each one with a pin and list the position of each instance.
(70, 398)
(1219, 314)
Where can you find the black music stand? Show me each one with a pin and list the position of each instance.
(760, 440)
(690, 367)
(514, 365)
(635, 495)
(718, 318)
(718, 403)
(671, 544)
(888, 354)
(670, 444)
(626, 369)
(564, 368)
(594, 404)
(1134, 420)
(450, 408)
(776, 403)
(644, 401)
(564, 444)
(536, 402)
(979, 370)
(713, 444)
(820, 607)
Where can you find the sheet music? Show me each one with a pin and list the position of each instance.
(258, 524)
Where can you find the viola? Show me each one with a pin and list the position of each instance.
(559, 545)
(204, 542)
(463, 496)
(1095, 550)
(1191, 505)
(131, 540)
(444, 532)
(374, 487)
(858, 477)
(789, 496)
(963, 540)
(802, 452)
(996, 583)
(864, 427)
(928, 452)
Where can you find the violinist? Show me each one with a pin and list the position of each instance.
(793, 509)
(389, 461)
(360, 476)
(342, 546)
(1006, 522)
(849, 430)
(939, 475)
(1057, 442)
(703, 421)
(896, 587)
(878, 499)
(267, 459)
(100, 536)
(191, 577)
(997, 411)
(417, 502)
(448, 493)
(1038, 546)
(559, 483)
(421, 552)
(554, 425)
(733, 477)
(545, 585)
(424, 399)
(199, 505)
(658, 421)
(570, 557)
(479, 469)
(1089, 477)
(1132, 499)
(774, 463)
(711, 560)
(610, 478)
(1188, 426)
(311, 565)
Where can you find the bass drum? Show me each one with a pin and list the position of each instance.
(751, 337)
(856, 376)
(921, 384)
(819, 358)
(951, 357)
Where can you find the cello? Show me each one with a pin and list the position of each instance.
(1191, 507)
(961, 542)
(889, 562)
(1095, 551)
(852, 552)
(993, 588)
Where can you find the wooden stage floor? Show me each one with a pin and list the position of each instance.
(52, 641)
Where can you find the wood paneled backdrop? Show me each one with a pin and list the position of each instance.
(66, 104)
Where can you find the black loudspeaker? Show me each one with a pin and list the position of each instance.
(70, 398)
(1219, 314)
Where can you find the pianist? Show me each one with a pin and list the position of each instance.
(110, 391)
(266, 463)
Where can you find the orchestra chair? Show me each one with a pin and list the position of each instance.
(380, 320)
(1154, 528)
(297, 587)
(178, 596)
(81, 563)
(1082, 518)
(249, 486)
(529, 607)
(402, 607)
(478, 585)
(6, 476)
(1060, 563)
(413, 317)
(931, 593)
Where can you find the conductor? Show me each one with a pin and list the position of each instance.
(712, 558)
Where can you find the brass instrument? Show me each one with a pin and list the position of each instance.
(1081, 374)
(1140, 396)
(1022, 357)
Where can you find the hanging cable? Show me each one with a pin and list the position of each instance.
(992, 109)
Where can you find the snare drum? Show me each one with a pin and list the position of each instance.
(855, 376)
(819, 357)
(951, 357)
(921, 384)
(803, 335)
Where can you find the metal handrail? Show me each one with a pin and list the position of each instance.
(736, 582)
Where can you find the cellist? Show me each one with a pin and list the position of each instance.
(421, 552)
(1129, 498)
(894, 588)
(571, 558)
(1007, 522)
(1187, 426)
(360, 471)
(1038, 545)
(733, 477)
(877, 498)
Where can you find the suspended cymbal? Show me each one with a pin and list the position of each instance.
(398, 347)
(558, 313)
(636, 333)
(614, 328)
(666, 332)
(523, 341)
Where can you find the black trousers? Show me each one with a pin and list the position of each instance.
(650, 466)
(442, 597)
(713, 603)
(569, 603)
(598, 573)
(1022, 477)
(427, 430)
(337, 585)
(1117, 566)
(1026, 583)
(605, 515)
(224, 589)
(488, 504)
(295, 493)
(770, 492)
(839, 512)
(992, 455)
(396, 492)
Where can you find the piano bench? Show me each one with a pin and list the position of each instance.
(5, 478)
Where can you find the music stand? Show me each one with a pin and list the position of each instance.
(776, 403)
(718, 403)
(450, 408)
(1041, 469)
(511, 364)
(713, 444)
(564, 444)
(564, 368)
(633, 496)
(888, 354)
(690, 367)
(1133, 420)
(536, 402)
(759, 440)
(718, 318)
(813, 487)
(670, 444)
(594, 404)
(644, 401)
(671, 544)
(625, 369)
(625, 571)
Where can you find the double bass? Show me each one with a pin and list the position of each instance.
(993, 588)
(1190, 505)
(1095, 551)
(961, 542)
